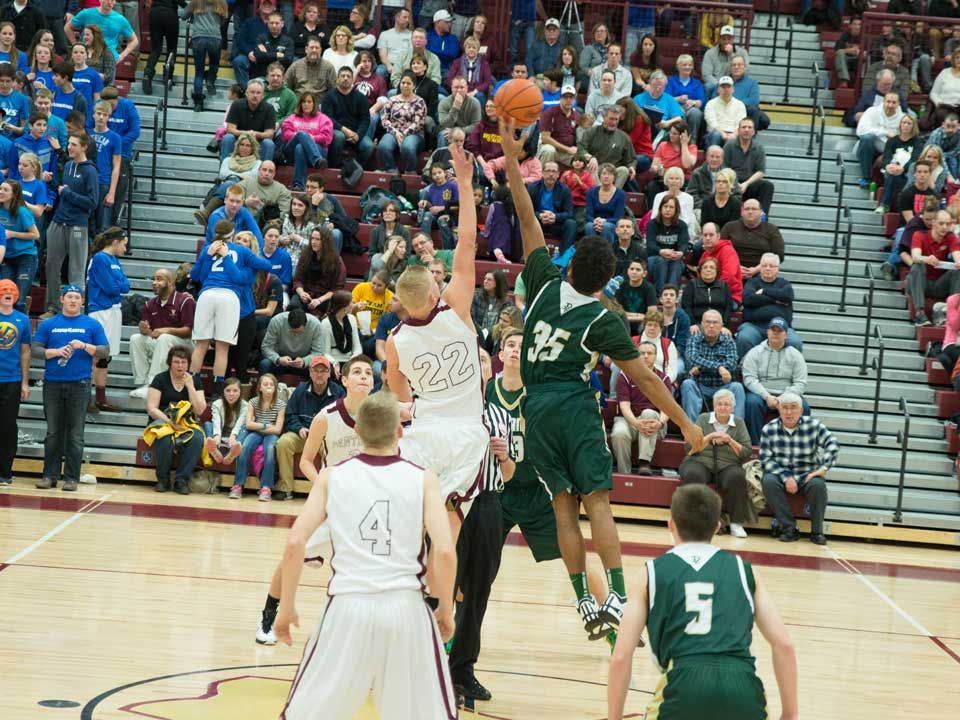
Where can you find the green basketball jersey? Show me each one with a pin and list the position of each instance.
(700, 603)
(564, 331)
(524, 474)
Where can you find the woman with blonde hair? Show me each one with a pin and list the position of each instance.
(341, 52)
(723, 206)
(899, 154)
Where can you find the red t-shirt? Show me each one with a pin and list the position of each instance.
(671, 157)
(563, 129)
(640, 137)
(929, 246)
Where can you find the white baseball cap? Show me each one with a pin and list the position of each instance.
(552, 21)
(568, 90)
(444, 16)
(725, 30)
(726, 80)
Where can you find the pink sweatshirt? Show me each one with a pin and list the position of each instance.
(319, 127)
(953, 320)
(529, 168)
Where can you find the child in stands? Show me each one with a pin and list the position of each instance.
(264, 423)
(229, 418)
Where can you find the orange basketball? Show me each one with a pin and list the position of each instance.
(519, 99)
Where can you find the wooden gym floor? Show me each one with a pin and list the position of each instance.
(124, 604)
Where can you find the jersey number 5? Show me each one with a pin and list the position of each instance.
(547, 342)
(699, 601)
(375, 527)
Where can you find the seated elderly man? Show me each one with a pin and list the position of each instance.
(873, 96)
(746, 90)
(553, 204)
(926, 279)
(639, 419)
(165, 323)
(892, 57)
(747, 158)
(769, 370)
(723, 115)
(765, 297)
(797, 452)
(876, 127)
(711, 361)
(607, 143)
(656, 98)
(700, 185)
(292, 341)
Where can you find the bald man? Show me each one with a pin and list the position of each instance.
(165, 323)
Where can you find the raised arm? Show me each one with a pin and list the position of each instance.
(459, 292)
(530, 229)
(784, 654)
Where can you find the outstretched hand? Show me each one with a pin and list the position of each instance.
(462, 161)
(693, 435)
(510, 144)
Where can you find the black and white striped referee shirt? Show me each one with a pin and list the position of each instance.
(497, 421)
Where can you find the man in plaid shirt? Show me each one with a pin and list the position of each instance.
(711, 359)
(796, 452)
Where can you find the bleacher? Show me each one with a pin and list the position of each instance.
(863, 487)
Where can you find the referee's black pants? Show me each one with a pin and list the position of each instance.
(479, 548)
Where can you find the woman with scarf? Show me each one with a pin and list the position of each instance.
(339, 335)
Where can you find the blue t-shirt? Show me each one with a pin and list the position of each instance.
(16, 110)
(14, 333)
(108, 144)
(23, 64)
(114, 26)
(281, 265)
(550, 99)
(89, 83)
(61, 330)
(65, 103)
(45, 78)
(57, 128)
(665, 104)
(34, 191)
(21, 223)
(523, 10)
(443, 195)
(546, 200)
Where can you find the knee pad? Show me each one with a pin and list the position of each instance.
(103, 362)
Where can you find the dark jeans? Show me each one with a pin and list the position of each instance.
(479, 548)
(268, 366)
(731, 485)
(190, 448)
(566, 232)
(363, 149)
(123, 187)
(22, 269)
(164, 28)
(206, 54)
(303, 151)
(814, 491)
(920, 287)
(65, 409)
(757, 409)
(10, 402)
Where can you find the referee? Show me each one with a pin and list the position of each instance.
(479, 548)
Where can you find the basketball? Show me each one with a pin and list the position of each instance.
(519, 99)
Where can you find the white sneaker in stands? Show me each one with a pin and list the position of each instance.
(264, 495)
(737, 530)
(236, 492)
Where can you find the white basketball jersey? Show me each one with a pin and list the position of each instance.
(441, 359)
(341, 440)
(375, 516)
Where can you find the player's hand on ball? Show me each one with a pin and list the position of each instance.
(281, 626)
(444, 623)
(510, 144)
(693, 435)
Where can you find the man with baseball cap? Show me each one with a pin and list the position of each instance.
(310, 397)
(558, 129)
(14, 373)
(716, 61)
(442, 43)
(68, 342)
(771, 369)
(545, 53)
(723, 114)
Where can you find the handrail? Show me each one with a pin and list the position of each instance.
(846, 259)
(823, 127)
(776, 30)
(186, 66)
(815, 94)
(165, 101)
(903, 437)
(838, 186)
(131, 181)
(868, 301)
(878, 366)
(786, 81)
(774, 10)
(153, 161)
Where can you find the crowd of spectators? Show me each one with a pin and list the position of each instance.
(268, 291)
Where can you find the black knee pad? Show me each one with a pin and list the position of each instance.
(103, 362)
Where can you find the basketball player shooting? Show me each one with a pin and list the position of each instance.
(376, 631)
(433, 356)
(565, 331)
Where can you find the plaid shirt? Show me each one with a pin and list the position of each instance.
(710, 358)
(784, 453)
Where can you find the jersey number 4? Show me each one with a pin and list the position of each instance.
(375, 527)
(699, 600)
(548, 342)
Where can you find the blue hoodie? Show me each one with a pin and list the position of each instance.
(243, 220)
(125, 122)
(81, 195)
(230, 272)
(106, 282)
(41, 148)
